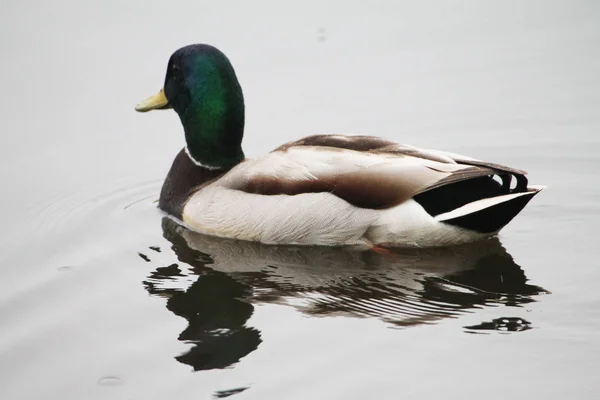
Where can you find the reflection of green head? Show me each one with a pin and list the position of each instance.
(201, 86)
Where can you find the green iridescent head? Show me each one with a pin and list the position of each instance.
(202, 88)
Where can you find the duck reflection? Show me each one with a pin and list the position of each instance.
(218, 281)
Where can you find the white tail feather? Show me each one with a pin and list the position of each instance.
(485, 203)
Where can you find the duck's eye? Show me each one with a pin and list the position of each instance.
(175, 73)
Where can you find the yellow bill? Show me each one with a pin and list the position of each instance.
(157, 102)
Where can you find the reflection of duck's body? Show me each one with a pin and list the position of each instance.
(410, 287)
(222, 279)
(321, 190)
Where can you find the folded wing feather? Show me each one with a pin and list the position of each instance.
(365, 171)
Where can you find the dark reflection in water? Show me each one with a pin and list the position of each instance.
(221, 394)
(218, 280)
(506, 324)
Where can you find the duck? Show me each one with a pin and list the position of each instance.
(323, 189)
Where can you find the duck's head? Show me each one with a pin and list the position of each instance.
(202, 88)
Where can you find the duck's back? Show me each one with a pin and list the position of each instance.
(337, 190)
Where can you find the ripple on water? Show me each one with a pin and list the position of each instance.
(110, 381)
(62, 233)
(91, 203)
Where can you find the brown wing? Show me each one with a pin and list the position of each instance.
(400, 173)
(373, 144)
(356, 143)
(374, 187)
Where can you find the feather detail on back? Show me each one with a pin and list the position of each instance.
(379, 177)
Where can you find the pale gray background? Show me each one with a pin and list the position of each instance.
(515, 82)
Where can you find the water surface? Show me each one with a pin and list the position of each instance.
(105, 298)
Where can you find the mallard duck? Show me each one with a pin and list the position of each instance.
(329, 190)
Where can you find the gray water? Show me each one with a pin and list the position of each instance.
(103, 298)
